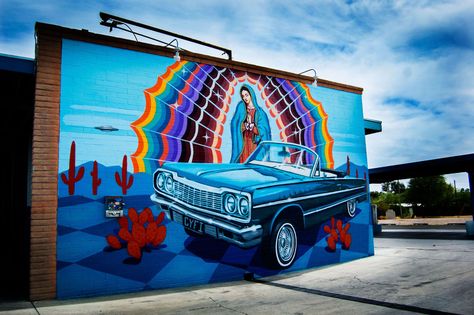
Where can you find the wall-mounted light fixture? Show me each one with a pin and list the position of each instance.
(112, 21)
(106, 128)
(315, 82)
(176, 56)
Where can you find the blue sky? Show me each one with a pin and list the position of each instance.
(414, 59)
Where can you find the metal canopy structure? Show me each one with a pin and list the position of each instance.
(448, 165)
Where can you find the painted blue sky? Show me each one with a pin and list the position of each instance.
(414, 59)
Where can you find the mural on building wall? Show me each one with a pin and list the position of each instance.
(249, 126)
(186, 116)
(194, 212)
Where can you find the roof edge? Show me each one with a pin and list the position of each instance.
(44, 29)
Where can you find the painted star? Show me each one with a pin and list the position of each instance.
(206, 137)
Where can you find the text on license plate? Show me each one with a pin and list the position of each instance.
(193, 224)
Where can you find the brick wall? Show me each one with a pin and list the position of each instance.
(45, 167)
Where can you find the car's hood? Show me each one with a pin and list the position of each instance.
(242, 177)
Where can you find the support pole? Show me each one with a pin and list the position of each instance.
(470, 224)
(471, 189)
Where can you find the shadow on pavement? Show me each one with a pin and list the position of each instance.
(397, 306)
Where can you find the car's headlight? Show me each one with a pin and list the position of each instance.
(160, 181)
(244, 206)
(230, 203)
(169, 184)
(236, 205)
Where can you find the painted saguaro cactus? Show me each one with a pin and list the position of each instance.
(348, 166)
(72, 178)
(96, 181)
(123, 181)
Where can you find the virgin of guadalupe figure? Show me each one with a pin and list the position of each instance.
(249, 126)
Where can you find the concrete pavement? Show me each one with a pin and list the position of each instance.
(406, 275)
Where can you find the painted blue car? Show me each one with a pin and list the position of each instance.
(280, 190)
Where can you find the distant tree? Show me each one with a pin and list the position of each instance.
(397, 187)
(461, 202)
(378, 198)
(393, 187)
(390, 198)
(429, 195)
(374, 194)
(386, 186)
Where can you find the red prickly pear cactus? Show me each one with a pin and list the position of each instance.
(145, 231)
(133, 215)
(96, 181)
(345, 237)
(72, 178)
(123, 181)
(151, 232)
(114, 242)
(134, 249)
(333, 237)
(125, 234)
(331, 244)
(337, 232)
(144, 216)
(139, 234)
(160, 218)
(160, 235)
(346, 243)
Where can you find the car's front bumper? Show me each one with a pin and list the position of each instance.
(244, 237)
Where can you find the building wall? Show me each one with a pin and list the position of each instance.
(45, 168)
(161, 110)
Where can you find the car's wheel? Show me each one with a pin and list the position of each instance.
(351, 206)
(283, 244)
(192, 233)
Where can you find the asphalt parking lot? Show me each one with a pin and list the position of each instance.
(415, 269)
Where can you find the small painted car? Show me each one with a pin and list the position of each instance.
(280, 190)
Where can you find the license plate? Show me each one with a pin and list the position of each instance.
(193, 224)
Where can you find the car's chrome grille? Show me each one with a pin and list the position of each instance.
(197, 197)
(211, 230)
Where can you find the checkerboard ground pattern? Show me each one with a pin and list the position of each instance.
(87, 266)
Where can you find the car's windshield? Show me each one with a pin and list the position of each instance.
(286, 156)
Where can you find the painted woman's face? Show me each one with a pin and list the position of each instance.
(245, 97)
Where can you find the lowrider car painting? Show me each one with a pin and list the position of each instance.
(280, 190)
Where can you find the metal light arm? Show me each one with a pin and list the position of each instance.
(112, 21)
(315, 82)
